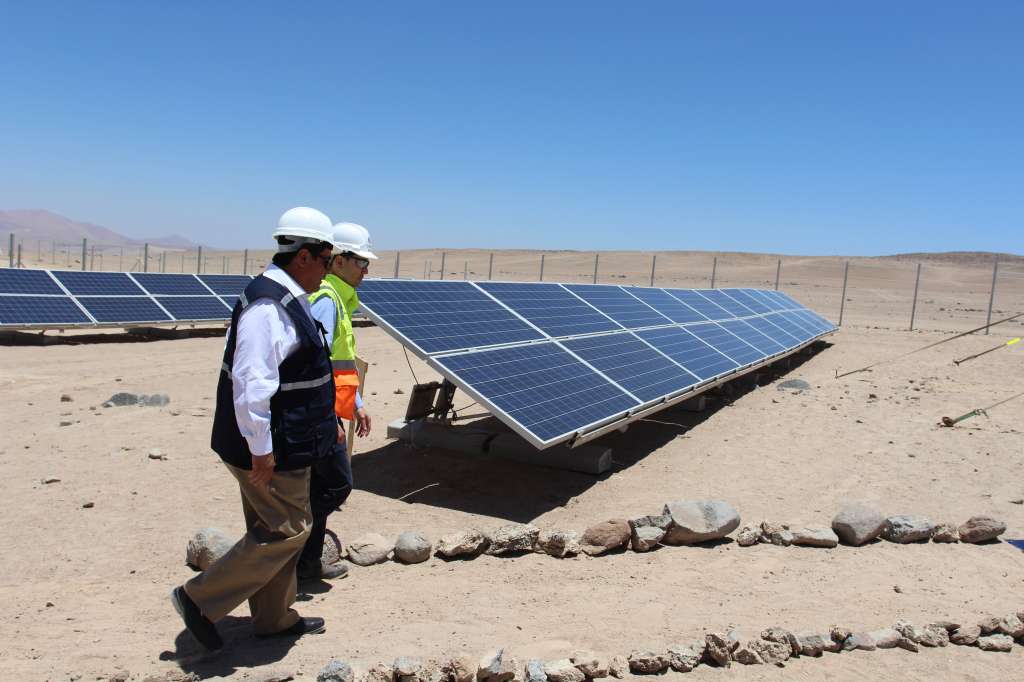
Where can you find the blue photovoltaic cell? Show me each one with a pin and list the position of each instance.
(725, 342)
(97, 283)
(551, 308)
(666, 304)
(230, 302)
(689, 351)
(195, 307)
(796, 328)
(744, 296)
(632, 364)
(702, 305)
(540, 386)
(41, 310)
(161, 284)
(618, 305)
(773, 302)
(228, 285)
(735, 308)
(817, 323)
(773, 331)
(443, 316)
(123, 309)
(762, 342)
(18, 281)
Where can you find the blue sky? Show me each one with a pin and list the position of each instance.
(790, 127)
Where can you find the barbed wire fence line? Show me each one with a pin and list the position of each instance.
(914, 293)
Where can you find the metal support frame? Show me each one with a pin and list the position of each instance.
(992, 293)
(398, 259)
(654, 264)
(10, 252)
(490, 266)
(597, 258)
(714, 271)
(145, 257)
(541, 278)
(245, 262)
(778, 271)
(443, 255)
(913, 306)
(199, 261)
(842, 299)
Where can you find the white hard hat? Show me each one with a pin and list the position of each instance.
(305, 225)
(353, 238)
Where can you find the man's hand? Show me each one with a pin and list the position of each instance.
(262, 469)
(341, 433)
(363, 422)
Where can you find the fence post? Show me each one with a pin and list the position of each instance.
(714, 271)
(53, 253)
(913, 307)
(92, 257)
(84, 248)
(654, 263)
(541, 278)
(465, 270)
(245, 262)
(842, 300)
(20, 263)
(398, 259)
(426, 266)
(778, 271)
(597, 258)
(145, 257)
(992, 293)
(443, 255)
(10, 252)
(199, 261)
(490, 266)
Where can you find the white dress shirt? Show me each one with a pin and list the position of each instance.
(266, 335)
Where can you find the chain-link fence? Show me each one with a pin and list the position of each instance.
(932, 292)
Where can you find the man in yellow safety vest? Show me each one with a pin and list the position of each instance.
(332, 306)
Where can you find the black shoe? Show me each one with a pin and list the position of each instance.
(322, 571)
(198, 625)
(303, 626)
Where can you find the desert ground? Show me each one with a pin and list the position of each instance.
(87, 587)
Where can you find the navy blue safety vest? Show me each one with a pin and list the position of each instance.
(302, 421)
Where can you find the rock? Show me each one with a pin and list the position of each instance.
(746, 655)
(50, 479)
(412, 548)
(335, 671)
(369, 549)
(989, 624)
(812, 644)
(407, 669)
(590, 664)
(646, 538)
(794, 385)
(155, 400)
(857, 524)
(886, 638)
(1011, 625)
(559, 543)
(157, 453)
(699, 521)
(535, 671)
(782, 636)
(995, 643)
(662, 521)
(516, 537)
(378, 673)
(771, 652)
(618, 667)
(686, 656)
(930, 635)
(647, 663)
(496, 666)
(981, 529)
(814, 537)
(120, 675)
(945, 532)
(905, 528)
(461, 669)
(860, 640)
(206, 546)
(466, 543)
(776, 534)
(830, 645)
(717, 649)
(66, 423)
(605, 537)
(948, 625)
(333, 551)
(88, 505)
(123, 399)
(966, 635)
(839, 634)
(908, 644)
(748, 536)
(563, 670)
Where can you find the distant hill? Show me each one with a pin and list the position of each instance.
(959, 257)
(40, 224)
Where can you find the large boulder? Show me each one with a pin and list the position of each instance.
(513, 538)
(695, 521)
(981, 529)
(369, 549)
(995, 643)
(206, 546)
(857, 524)
(904, 529)
(605, 537)
(466, 543)
(412, 548)
(966, 635)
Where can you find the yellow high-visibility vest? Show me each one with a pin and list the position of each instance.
(343, 345)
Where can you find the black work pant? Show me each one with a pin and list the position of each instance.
(330, 483)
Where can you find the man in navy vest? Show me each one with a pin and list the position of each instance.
(274, 418)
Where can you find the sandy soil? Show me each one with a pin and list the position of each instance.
(86, 588)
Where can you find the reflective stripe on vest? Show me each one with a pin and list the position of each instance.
(312, 383)
(343, 345)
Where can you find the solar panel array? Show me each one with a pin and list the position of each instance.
(69, 298)
(556, 361)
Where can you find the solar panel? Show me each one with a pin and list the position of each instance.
(128, 309)
(540, 387)
(195, 307)
(552, 308)
(18, 281)
(744, 297)
(229, 301)
(750, 335)
(689, 351)
(627, 310)
(160, 284)
(443, 316)
(773, 331)
(793, 326)
(773, 302)
(723, 300)
(701, 304)
(632, 364)
(40, 310)
(228, 285)
(729, 344)
(666, 304)
(97, 283)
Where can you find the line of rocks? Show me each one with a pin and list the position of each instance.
(774, 646)
(687, 522)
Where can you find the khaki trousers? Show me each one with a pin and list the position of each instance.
(261, 566)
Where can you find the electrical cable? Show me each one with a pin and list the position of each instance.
(409, 362)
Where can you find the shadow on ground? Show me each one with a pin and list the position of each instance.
(241, 650)
(518, 492)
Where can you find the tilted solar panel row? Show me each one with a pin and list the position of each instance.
(67, 298)
(556, 360)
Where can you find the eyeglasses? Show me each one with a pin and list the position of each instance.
(361, 262)
(326, 260)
